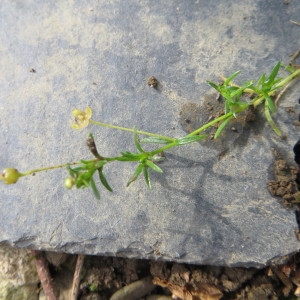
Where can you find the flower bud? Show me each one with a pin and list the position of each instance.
(10, 175)
(69, 182)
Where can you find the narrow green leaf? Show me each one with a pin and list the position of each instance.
(232, 76)
(273, 87)
(71, 171)
(94, 188)
(104, 180)
(155, 140)
(215, 86)
(85, 183)
(85, 162)
(146, 176)
(240, 90)
(122, 158)
(227, 106)
(130, 155)
(153, 166)
(100, 164)
(269, 102)
(136, 174)
(81, 168)
(136, 141)
(222, 126)
(274, 72)
(261, 81)
(86, 168)
(270, 120)
(190, 139)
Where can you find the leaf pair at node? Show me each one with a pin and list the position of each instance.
(82, 176)
(145, 162)
(263, 89)
(233, 102)
(147, 159)
(232, 94)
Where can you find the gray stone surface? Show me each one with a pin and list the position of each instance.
(203, 209)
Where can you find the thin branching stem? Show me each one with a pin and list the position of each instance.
(30, 172)
(287, 79)
(211, 123)
(131, 130)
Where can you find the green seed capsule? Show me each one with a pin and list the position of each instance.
(69, 182)
(10, 175)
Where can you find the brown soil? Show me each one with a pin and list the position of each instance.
(284, 185)
(102, 277)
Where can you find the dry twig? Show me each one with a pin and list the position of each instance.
(76, 280)
(44, 275)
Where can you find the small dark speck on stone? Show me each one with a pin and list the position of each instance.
(152, 82)
(32, 70)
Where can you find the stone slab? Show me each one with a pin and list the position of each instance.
(205, 208)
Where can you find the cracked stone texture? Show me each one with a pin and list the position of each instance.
(206, 208)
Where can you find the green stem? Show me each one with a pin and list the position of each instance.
(145, 154)
(164, 148)
(51, 168)
(207, 125)
(284, 81)
(131, 130)
(258, 100)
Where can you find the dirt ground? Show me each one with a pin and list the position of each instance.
(104, 278)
